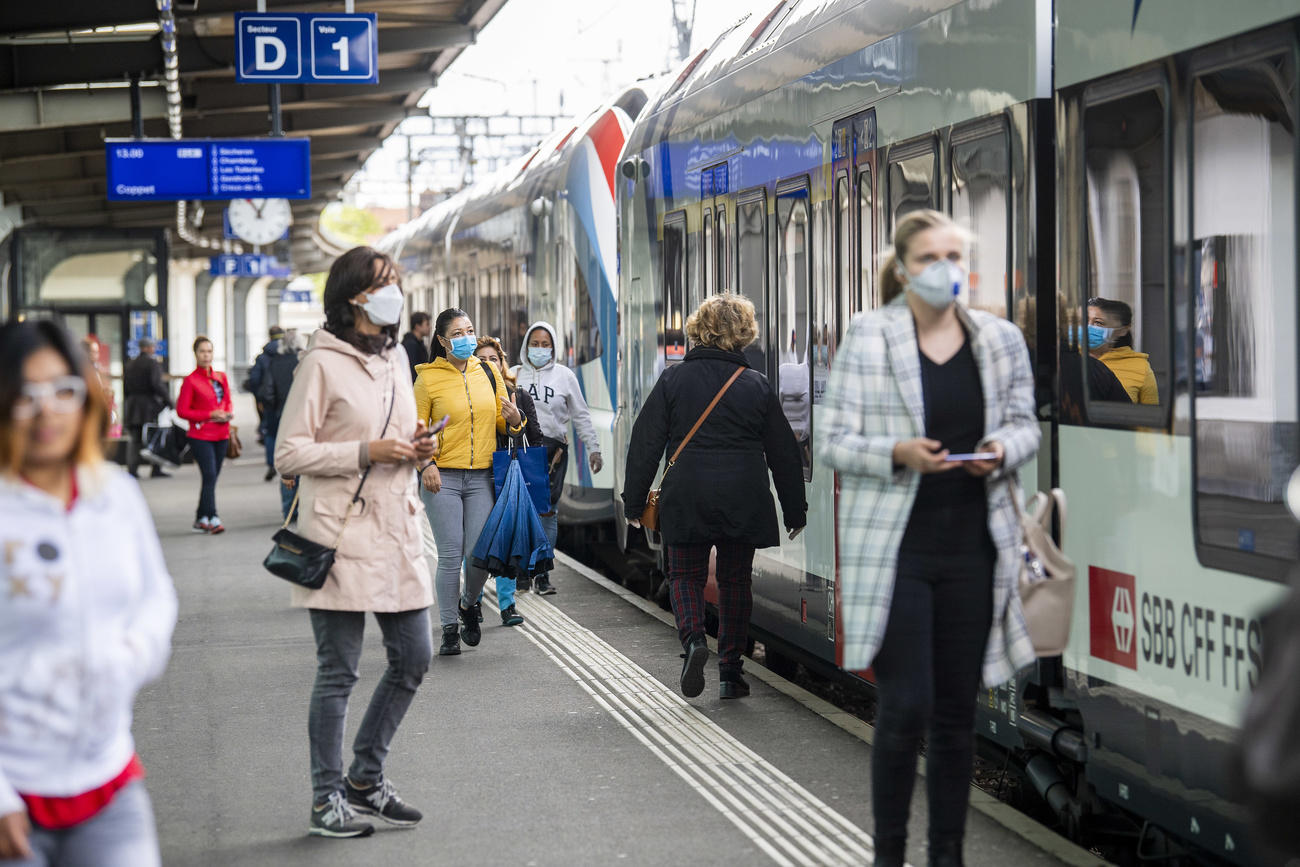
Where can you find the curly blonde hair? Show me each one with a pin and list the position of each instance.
(724, 321)
(501, 353)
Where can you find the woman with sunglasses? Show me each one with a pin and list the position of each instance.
(86, 616)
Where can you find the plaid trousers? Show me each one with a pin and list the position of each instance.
(688, 573)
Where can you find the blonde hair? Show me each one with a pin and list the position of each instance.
(724, 321)
(501, 354)
(908, 228)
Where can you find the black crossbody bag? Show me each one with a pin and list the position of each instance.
(301, 561)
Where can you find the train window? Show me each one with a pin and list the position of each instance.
(912, 181)
(981, 201)
(751, 234)
(791, 313)
(706, 252)
(1243, 279)
(585, 344)
(723, 254)
(1124, 320)
(674, 271)
(866, 244)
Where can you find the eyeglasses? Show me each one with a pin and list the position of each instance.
(64, 395)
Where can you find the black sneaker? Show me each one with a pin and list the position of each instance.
(335, 818)
(450, 641)
(542, 586)
(523, 585)
(381, 800)
(269, 474)
(469, 628)
(732, 685)
(696, 656)
(478, 609)
(511, 617)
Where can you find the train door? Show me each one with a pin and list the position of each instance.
(852, 288)
(715, 233)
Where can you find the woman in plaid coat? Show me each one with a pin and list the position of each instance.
(928, 535)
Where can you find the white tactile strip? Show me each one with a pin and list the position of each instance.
(782, 818)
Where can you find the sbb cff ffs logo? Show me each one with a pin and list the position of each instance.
(1112, 616)
(1196, 640)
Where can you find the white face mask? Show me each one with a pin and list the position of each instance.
(384, 306)
(938, 285)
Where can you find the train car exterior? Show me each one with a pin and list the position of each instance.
(1137, 152)
(536, 241)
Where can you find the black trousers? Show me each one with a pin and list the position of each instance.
(927, 674)
(209, 456)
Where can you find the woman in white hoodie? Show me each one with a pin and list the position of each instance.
(86, 615)
(558, 398)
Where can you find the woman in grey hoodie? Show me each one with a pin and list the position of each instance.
(558, 397)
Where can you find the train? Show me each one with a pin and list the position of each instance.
(1137, 151)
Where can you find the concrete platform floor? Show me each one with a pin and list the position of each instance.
(561, 742)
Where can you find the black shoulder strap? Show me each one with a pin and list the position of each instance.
(492, 378)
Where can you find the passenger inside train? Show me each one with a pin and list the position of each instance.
(1110, 340)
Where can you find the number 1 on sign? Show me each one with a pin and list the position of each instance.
(341, 46)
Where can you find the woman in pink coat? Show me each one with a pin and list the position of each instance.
(351, 409)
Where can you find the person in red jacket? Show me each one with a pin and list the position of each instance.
(205, 403)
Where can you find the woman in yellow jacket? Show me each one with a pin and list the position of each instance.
(458, 492)
(1110, 340)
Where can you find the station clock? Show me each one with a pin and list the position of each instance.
(260, 221)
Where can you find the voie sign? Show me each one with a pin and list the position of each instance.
(306, 48)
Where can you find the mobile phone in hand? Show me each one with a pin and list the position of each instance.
(430, 431)
(972, 456)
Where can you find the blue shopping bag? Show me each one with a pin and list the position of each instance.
(532, 463)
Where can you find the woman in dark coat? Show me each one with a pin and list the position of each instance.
(717, 495)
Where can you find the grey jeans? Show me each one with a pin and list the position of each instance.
(338, 651)
(457, 514)
(120, 835)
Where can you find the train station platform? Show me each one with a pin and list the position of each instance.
(561, 742)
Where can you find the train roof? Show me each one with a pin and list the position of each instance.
(767, 50)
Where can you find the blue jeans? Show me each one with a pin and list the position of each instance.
(551, 524)
(338, 652)
(505, 592)
(209, 456)
(457, 514)
(120, 835)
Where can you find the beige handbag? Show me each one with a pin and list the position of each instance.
(1046, 580)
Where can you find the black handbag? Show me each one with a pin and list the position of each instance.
(301, 561)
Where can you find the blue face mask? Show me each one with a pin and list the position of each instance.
(1097, 335)
(538, 356)
(463, 347)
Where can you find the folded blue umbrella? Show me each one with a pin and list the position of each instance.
(513, 543)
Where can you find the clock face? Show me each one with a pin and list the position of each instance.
(260, 221)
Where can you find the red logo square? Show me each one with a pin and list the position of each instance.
(1112, 611)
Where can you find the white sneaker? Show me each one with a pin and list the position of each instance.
(215, 526)
(202, 525)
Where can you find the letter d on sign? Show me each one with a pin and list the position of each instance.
(276, 45)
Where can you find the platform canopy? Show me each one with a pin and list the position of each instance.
(65, 69)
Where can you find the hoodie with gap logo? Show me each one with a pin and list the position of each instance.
(556, 393)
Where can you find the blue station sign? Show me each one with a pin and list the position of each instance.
(246, 265)
(306, 48)
(169, 170)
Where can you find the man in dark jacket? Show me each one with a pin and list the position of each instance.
(257, 376)
(146, 394)
(413, 342)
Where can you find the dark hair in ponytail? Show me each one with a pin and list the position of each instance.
(908, 228)
(445, 318)
(350, 275)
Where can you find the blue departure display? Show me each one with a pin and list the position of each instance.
(150, 170)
